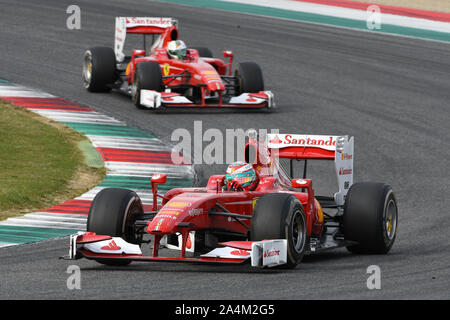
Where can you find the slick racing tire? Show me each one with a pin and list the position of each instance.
(281, 216)
(99, 69)
(370, 218)
(250, 78)
(203, 52)
(113, 213)
(148, 76)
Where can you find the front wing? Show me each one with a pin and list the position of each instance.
(265, 253)
(154, 99)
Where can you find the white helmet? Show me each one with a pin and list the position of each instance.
(176, 49)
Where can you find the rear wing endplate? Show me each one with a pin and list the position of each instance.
(319, 147)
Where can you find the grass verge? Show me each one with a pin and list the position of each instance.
(40, 162)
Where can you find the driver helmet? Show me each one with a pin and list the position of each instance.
(176, 49)
(240, 176)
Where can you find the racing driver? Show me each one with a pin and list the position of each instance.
(176, 50)
(241, 176)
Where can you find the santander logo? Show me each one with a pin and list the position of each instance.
(144, 21)
(346, 156)
(240, 253)
(112, 246)
(345, 172)
(296, 140)
(271, 253)
(275, 140)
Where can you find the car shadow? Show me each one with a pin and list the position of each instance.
(207, 110)
(306, 265)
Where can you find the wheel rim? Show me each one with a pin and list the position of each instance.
(240, 82)
(134, 91)
(87, 70)
(298, 231)
(128, 229)
(390, 219)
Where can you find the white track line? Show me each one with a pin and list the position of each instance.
(6, 244)
(25, 222)
(128, 143)
(11, 90)
(78, 117)
(348, 13)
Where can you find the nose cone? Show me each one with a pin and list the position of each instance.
(215, 86)
(162, 225)
(169, 216)
(181, 211)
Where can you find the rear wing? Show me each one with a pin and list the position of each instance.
(140, 25)
(319, 147)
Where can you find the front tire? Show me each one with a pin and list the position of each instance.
(281, 216)
(99, 69)
(370, 218)
(147, 76)
(113, 213)
(249, 77)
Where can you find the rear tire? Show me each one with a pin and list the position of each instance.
(147, 76)
(281, 216)
(370, 218)
(250, 77)
(112, 213)
(99, 69)
(203, 52)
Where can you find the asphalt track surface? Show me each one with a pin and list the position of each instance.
(391, 93)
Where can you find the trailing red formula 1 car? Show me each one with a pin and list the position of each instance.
(274, 224)
(164, 73)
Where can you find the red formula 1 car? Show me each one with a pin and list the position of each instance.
(153, 78)
(275, 224)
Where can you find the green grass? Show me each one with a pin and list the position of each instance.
(40, 163)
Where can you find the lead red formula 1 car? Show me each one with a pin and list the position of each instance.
(154, 79)
(276, 224)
